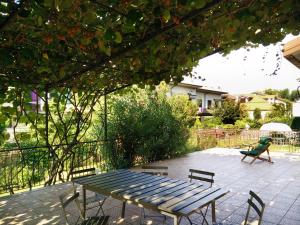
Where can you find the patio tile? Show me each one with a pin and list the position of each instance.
(277, 184)
(272, 218)
(287, 221)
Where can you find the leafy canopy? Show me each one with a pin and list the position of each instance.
(111, 43)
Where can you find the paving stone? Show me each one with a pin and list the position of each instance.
(288, 221)
(277, 184)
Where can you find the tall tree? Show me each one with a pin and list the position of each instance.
(229, 112)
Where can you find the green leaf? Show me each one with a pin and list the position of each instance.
(40, 21)
(5, 57)
(43, 69)
(24, 13)
(109, 35)
(134, 16)
(118, 37)
(166, 15)
(48, 3)
(66, 4)
(90, 17)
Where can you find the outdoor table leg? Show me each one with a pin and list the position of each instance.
(84, 201)
(213, 212)
(123, 209)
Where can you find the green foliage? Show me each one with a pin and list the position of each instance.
(279, 110)
(229, 112)
(284, 94)
(280, 119)
(255, 124)
(183, 109)
(241, 124)
(257, 114)
(141, 128)
(206, 142)
(3, 134)
(114, 43)
(208, 122)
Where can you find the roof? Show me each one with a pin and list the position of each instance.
(189, 85)
(211, 90)
(202, 89)
(258, 102)
(291, 51)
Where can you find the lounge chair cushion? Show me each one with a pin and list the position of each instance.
(260, 148)
(265, 140)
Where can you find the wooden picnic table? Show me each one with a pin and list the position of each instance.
(171, 197)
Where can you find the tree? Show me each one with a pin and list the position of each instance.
(141, 128)
(257, 114)
(83, 43)
(279, 110)
(285, 93)
(230, 112)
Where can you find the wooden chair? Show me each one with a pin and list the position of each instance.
(255, 152)
(257, 204)
(157, 171)
(94, 201)
(71, 196)
(205, 176)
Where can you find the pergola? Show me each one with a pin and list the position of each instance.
(291, 51)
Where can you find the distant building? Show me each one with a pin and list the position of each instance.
(260, 101)
(206, 98)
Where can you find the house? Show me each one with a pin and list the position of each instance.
(205, 97)
(258, 102)
(261, 101)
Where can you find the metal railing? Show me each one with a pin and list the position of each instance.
(25, 168)
(240, 138)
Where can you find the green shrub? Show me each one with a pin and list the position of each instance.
(141, 128)
(257, 114)
(211, 122)
(241, 124)
(206, 142)
(3, 134)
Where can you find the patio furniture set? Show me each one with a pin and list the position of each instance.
(152, 190)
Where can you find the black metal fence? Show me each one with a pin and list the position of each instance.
(25, 168)
(29, 167)
(240, 138)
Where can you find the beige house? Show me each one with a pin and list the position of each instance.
(260, 101)
(205, 97)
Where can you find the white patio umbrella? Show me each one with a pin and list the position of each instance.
(275, 127)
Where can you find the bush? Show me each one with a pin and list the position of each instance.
(257, 114)
(141, 128)
(230, 112)
(208, 122)
(3, 134)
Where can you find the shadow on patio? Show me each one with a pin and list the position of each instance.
(277, 184)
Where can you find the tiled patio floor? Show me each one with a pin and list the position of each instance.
(277, 184)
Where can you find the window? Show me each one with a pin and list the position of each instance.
(209, 102)
(200, 103)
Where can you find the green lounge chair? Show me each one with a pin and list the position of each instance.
(255, 152)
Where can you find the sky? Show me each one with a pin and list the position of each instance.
(235, 75)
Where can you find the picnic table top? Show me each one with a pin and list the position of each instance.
(163, 194)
